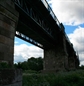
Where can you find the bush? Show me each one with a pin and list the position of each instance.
(4, 65)
(75, 78)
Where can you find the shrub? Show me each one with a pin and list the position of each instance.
(75, 78)
(4, 65)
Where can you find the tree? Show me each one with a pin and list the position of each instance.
(35, 63)
(25, 65)
(31, 64)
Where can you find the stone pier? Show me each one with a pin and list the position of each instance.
(73, 61)
(56, 58)
(10, 77)
(8, 22)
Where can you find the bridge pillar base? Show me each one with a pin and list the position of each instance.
(55, 60)
(71, 63)
(10, 77)
(8, 21)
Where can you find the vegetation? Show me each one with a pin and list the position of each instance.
(32, 63)
(32, 76)
(73, 78)
(4, 65)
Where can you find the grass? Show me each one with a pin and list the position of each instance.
(73, 78)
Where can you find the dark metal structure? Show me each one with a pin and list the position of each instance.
(37, 22)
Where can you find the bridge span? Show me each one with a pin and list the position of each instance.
(34, 21)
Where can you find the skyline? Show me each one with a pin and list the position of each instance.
(71, 14)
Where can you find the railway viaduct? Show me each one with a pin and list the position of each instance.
(35, 22)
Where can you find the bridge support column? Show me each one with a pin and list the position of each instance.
(56, 59)
(73, 61)
(8, 21)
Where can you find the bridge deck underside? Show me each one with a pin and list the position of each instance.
(41, 38)
(30, 28)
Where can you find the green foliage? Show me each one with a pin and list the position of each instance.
(18, 65)
(34, 80)
(35, 63)
(82, 67)
(73, 78)
(4, 65)
(30, 72)
(32, 63)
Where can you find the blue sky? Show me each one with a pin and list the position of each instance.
(69, 29)
(71, 14)
(19, 41)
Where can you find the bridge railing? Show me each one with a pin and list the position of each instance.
(51, 12)
(63, 28)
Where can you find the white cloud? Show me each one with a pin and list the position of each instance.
(70, 12)
(22, 52)
(77, 38)
(16, 42)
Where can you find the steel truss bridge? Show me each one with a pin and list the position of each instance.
(38, 23)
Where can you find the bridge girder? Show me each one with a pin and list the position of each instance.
(32, 18)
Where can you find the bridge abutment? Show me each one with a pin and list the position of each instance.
(8, 21)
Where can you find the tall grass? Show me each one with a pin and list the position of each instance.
(74, 78)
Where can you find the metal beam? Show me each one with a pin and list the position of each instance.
(26, 38)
